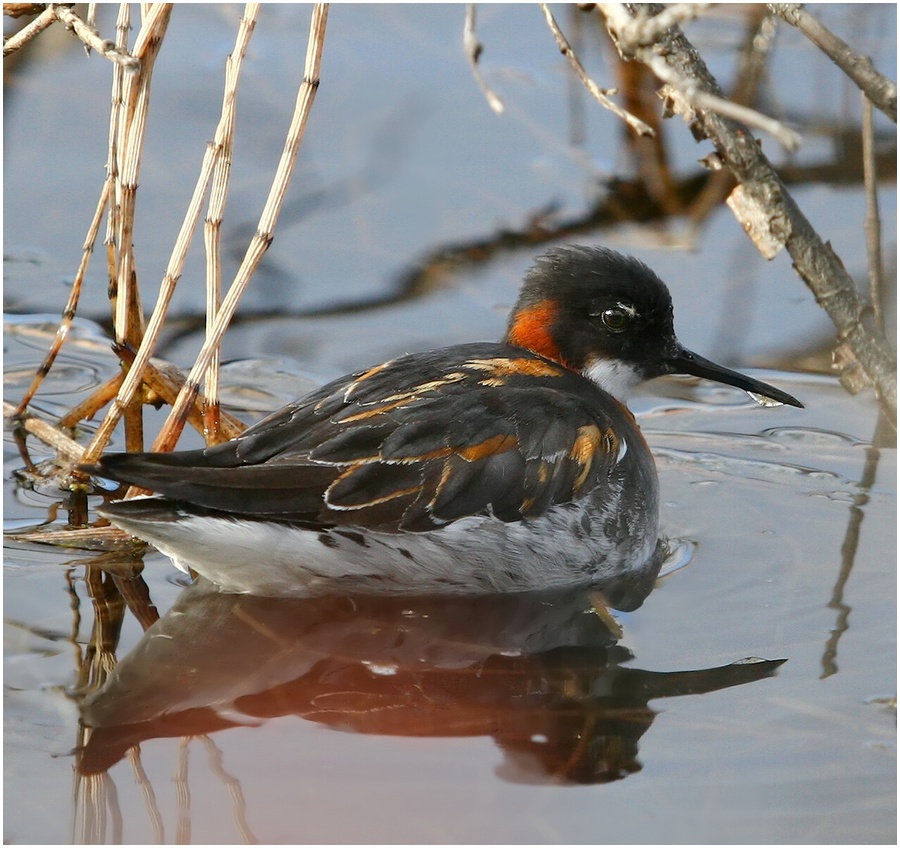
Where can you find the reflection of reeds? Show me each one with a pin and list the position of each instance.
(114, 584)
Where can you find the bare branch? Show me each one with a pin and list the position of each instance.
(643, 31)
(474, 48)
(628, 37)
(599, 94)
(881, 90)
(23, 36)
(873, 220)
(761, 187)
(91, 38)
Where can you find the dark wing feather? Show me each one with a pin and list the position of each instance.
(413, 444)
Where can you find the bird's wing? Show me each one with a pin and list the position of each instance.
(412, 444)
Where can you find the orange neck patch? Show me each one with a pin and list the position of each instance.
(531, 329)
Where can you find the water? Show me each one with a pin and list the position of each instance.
(493, 722)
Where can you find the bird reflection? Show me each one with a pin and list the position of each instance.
(541, 674)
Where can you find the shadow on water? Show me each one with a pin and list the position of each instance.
(541, 674)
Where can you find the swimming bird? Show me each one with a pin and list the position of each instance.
(478, 468)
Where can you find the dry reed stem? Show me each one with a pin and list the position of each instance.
(129, 321)
(161, 383)
(47, 433)
(129, 148)
(123, 26)
(213, 224)
(91, 405)
(154, 327)
(107, 539)
(265, 229)
(599, 94)
(473, 49)
(628, 33)
(174, 269)
(71, 306)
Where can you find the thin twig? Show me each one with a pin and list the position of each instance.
(264, 234)
(473, 49)
(873, 219)
(91, 38)
(46, 19)
(596, 92)
(881, 90)
(627, 31)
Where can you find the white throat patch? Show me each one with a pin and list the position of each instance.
(614, 376)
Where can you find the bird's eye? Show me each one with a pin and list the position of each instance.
(617, 318)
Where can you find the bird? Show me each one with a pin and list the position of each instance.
(478, 468)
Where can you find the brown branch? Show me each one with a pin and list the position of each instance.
(877, 87)
(873, 220)
(776, 213)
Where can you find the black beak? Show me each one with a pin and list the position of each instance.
(687, 362)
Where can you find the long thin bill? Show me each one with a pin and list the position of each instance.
(688, 362)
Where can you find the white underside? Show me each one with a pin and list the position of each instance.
(480, 554)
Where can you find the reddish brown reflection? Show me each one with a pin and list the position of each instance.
(540, 674)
